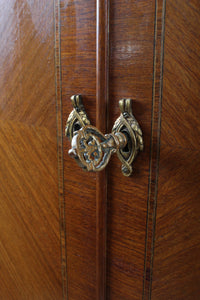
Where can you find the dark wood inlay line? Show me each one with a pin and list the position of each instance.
(155, 143)
(58, 86)
(158, 141)
(151, 148)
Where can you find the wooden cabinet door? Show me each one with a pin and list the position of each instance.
(150, 54)
(75, 235)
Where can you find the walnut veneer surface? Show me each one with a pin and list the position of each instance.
(53, 218)
(30, 259)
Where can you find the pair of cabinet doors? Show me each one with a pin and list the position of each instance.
(70, 234)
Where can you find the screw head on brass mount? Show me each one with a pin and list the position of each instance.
(92, 149)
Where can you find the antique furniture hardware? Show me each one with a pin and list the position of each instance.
(92, 149)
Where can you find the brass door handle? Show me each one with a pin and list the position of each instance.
(92, 149)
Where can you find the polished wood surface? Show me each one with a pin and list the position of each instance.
(78, 74)
(136, 50)
(58, 91)
(177, 239)
(54, 217)
(159, 27)
(131, 76)
(134, 71)
(30, 260)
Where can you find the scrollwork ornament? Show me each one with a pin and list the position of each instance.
(92, 149)
(127, 124)
(77, 118)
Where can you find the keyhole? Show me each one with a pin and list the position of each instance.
(77, 127)
(126, 148)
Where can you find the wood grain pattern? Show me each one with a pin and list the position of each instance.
(131, 76)
(155, 144)
(176, 255)
(58, 86)
(30, 259)
(136, 71)
(78, 66)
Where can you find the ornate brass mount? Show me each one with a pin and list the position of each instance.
(92, 150)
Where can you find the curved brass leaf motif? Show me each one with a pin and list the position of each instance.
(128, 124)
(77, 117)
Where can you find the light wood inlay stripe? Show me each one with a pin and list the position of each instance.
(58, 82)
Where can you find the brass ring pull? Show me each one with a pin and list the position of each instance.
(92, 149)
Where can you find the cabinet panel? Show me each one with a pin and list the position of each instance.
(30, 259)
(177, 239)
(78, 73)
(105, 51)
(130, 76)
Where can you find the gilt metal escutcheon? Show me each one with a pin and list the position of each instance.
(92, 149)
